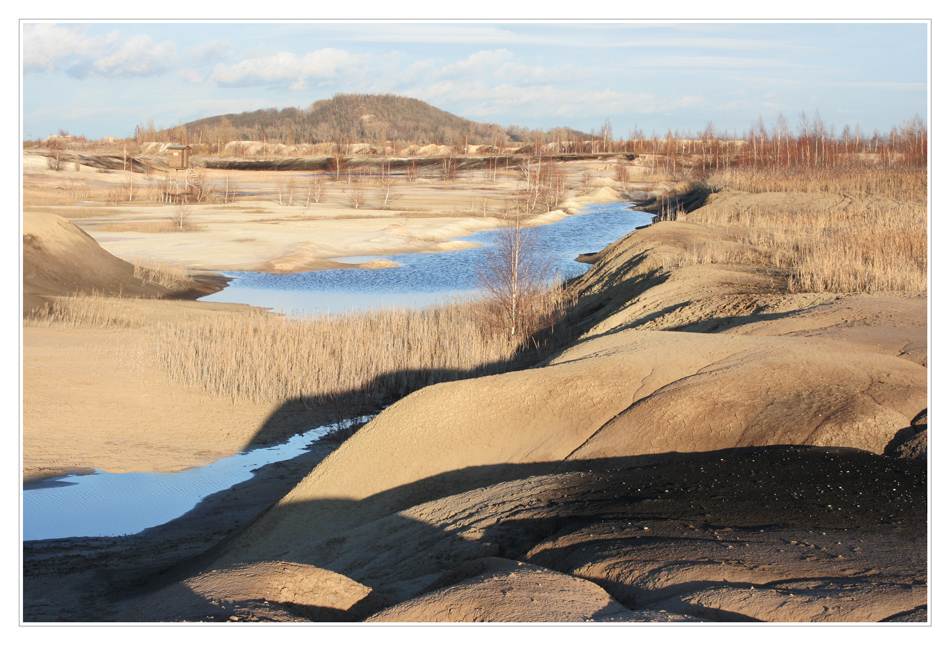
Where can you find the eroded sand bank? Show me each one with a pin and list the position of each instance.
(648, 471)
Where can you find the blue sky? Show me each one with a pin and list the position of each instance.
(102, 79)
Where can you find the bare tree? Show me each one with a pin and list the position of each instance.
(286, 189)
(357, 191)
(131, 184)
(386, 193)
(54, 158)
(196, 186)
(227, 192)
(315, 187)
(182, 213)
(514, 278)
(338, 159)
(620, 171)
(449, 168)
(587, 176)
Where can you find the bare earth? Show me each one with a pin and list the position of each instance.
(709, 449)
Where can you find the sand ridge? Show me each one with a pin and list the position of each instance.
(709, 448)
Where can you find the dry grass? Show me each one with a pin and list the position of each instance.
(376, 356)
(167, 275)
(166, 226)
(905, 184)
(60, 195)
(355, 362)
(76, 212)
(876, 242)
(89, 310)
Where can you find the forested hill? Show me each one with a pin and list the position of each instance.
(370, 118)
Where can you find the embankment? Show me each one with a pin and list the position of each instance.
(710, 448)
(61, 259)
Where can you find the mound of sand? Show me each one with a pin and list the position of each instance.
(499, 590)
(263, 591)
(60, 259)
(467, 470)
(303, 260)
(710, 448)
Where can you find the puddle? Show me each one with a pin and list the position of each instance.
(106, 504)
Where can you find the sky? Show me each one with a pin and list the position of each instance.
(103, 78)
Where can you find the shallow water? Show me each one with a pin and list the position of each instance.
(114, 504)
(427, 278)
(111, 504)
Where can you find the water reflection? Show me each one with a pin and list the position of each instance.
(112, 504)
(426, 278)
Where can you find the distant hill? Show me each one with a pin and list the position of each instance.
(370, 118)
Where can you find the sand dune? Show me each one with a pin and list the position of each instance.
(431, 483)
(59, 258)
(709, 448)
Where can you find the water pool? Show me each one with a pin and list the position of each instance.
(426, 278)
(112, 504)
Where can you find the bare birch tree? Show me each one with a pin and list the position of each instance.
(181, 213)
(357, 190)
(315, 187)
(514, 279)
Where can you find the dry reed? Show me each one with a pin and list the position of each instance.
(877, 242)
(375, 356)
(167, 275)
(88, 310)
(905, 184)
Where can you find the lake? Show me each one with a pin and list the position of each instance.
(112, 504)
(426, 278)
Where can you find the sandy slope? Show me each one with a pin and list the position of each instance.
(642, 473)
(91, 399)
(468, 470)
(59, 258)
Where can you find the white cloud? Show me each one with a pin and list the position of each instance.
(191, 75)
(486, 61)
(46, 45)
(137, 56)
(210, 52)
(477, 100)
(286, 66)
(485, 66)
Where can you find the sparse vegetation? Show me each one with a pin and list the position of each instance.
(520, 298)
(368, 358)
(351, 362)
(874, 240)
(872, 237)
(161, 273)
(88, 310)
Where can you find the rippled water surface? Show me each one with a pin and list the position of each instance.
(425, 278)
